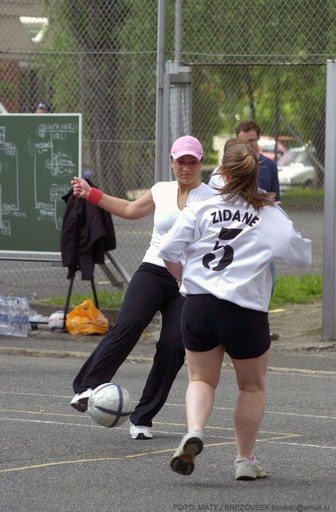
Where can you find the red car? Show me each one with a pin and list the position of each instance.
(267, 146)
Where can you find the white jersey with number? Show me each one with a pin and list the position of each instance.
(167, 211)
(228, 249)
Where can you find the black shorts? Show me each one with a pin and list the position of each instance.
(208, 322)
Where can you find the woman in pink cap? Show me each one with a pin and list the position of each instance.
(152, 289)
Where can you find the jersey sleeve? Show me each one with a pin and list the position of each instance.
(216, 180)
(176, 240)
(299, 250)
(294, 249)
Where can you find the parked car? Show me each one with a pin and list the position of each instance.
(296, 168)
(267, 147)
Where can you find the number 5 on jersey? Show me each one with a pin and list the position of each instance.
(228, 253)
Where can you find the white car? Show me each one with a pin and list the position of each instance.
(296, 168)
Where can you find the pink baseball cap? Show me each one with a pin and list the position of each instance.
(187, 145)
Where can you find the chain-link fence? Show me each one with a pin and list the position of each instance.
(259, 60)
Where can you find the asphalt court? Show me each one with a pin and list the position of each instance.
(53, 458)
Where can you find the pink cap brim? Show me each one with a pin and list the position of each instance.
(184, 153)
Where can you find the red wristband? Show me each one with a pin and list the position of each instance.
(95, 195)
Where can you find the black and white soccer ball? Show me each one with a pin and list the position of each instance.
(56, 321)
(110, 405)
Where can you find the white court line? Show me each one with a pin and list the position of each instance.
(301, 445)
(43, 395)
(231, 440)
(301, 415)
(219, 408)
(48, 422)
(155, 423)
(314, 416)
(282, 442)
(302, 372)
(121, 427)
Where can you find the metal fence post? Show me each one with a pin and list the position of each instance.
(329, 253)
(177, 109)
(159, 86)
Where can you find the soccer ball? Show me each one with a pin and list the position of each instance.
(56, 321)
(110, 405)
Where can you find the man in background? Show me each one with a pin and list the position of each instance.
(268, 179)
(249, 132)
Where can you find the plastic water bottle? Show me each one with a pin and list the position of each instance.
(5, 326)
(14, 316)
(19, 316)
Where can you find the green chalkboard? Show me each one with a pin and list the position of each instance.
(39, 154)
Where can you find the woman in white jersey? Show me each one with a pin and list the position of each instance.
(151, 289)
(228, 243)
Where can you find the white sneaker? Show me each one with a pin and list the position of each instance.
(183, 461)
(80, 400)
(140, 432)
(247, 469)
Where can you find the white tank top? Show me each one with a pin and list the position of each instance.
(167, 211)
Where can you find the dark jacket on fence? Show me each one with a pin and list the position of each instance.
(87, 233)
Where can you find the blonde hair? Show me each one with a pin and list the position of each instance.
(240, 173)
(230, 142)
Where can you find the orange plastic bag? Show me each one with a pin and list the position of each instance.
(86, 319)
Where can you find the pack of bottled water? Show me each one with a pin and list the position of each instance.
(14, 316)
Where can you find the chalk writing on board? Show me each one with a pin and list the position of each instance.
(39, 155)
(52, 166)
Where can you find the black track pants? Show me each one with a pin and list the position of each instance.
(151, 289)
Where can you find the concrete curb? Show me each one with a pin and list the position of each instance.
(323, 346)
